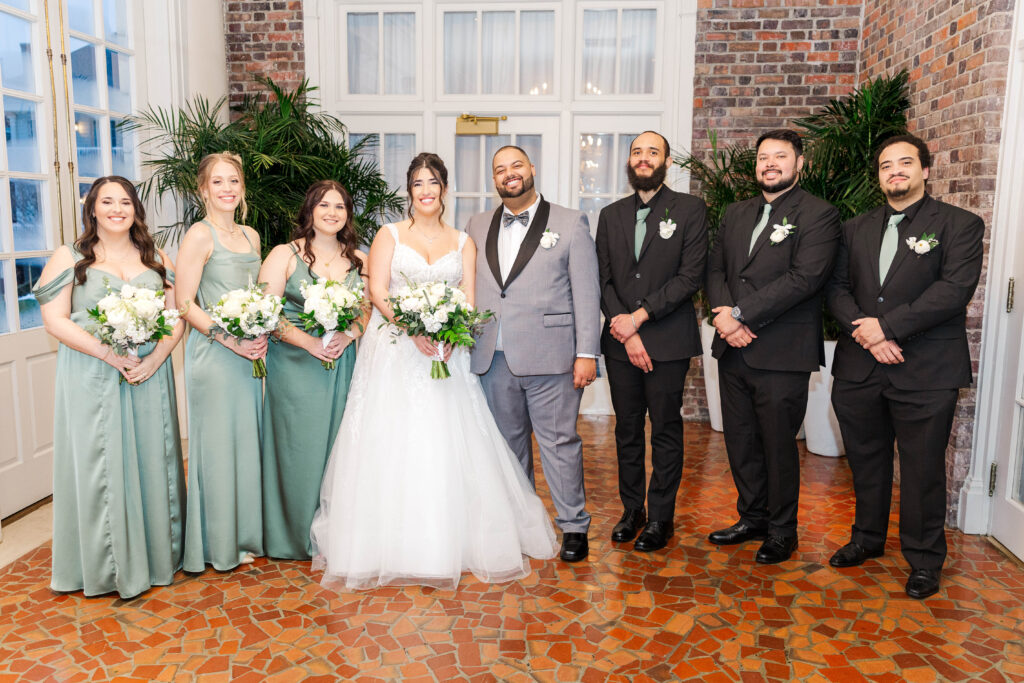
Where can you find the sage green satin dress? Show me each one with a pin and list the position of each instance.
(118, 481)
(225, 513)
(302, 410)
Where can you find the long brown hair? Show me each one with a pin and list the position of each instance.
(206, 165)
(432, 163)
(138, 233)
(304, 230)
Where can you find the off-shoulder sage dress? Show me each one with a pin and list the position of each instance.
(118, 482)
(302, 409)
(225, 512)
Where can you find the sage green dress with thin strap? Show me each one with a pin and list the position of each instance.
(225, 513)
(302, 410)
(118, 481)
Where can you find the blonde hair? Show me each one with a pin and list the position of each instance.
(206, 168)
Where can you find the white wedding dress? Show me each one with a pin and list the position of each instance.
(420, 485)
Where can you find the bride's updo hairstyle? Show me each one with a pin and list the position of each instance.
(432, 163)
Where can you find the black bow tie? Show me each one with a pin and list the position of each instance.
(508, 219)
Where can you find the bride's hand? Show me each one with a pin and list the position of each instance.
(426, 346)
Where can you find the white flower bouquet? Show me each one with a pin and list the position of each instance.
(247, 314)
(440, 312)
(331, 307)
(130, 317)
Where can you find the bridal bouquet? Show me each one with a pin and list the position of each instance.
(126, 319)
(440, 312)
(247, 314)
(330, 307)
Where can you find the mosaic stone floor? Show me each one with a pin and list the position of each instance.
(689, 612)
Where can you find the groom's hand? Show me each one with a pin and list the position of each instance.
(584, 371)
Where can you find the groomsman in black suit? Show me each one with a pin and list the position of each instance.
(651, 252)
(773, 256)
(904, 276)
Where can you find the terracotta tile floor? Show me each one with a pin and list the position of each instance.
(691, 612)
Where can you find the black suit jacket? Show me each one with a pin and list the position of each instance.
(778, 287)
(922, 304)
(663, 281)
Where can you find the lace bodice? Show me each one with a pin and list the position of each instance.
(408, 265)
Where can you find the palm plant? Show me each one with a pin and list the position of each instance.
(285, 147)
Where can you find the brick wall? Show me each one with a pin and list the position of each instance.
(263, 39)
(957, 52)
(759, 65)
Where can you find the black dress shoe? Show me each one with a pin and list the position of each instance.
(654, 537)
(740, 532)
(853, 554)
(923, 582)
(631, 522)
(776, 549)
(574, 547)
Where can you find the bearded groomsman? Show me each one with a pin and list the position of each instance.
(773, 255)
(537, 271)
(651, 253)
(904, 276)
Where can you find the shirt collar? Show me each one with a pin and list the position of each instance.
(910, 212)
(639, 203)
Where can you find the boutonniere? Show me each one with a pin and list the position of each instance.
(781, 231)
(923, 245)
(548, 239)
(666, 227)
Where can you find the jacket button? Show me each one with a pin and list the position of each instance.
(637, 276)
(881, 299)
(503, 295)
(638, 302)
(743, 280)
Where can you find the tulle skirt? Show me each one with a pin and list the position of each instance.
(421, 486)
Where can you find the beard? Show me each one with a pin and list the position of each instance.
(524, 187)
(779, 185)
(646, 184)
(897, 192)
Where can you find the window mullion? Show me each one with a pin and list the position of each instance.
(618, 52)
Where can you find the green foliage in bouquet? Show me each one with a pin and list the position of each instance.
(286, 145)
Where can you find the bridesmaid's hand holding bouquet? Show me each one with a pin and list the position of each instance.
(331, 307)
(130, 317)
(247, 313)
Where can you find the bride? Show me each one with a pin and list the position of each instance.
(420, 485)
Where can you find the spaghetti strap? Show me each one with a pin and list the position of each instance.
(246, 236)
(213, 231)
(463, 236)
(393, 229)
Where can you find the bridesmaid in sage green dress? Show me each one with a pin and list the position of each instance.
(224, 525)
(303, 404)
(118, 482)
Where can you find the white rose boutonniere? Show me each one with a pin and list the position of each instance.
(666, 227)
(923, 245)
(781, 231)
(548, 239)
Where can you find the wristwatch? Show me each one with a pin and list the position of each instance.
(737, 314)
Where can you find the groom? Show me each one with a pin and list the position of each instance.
(537, 270)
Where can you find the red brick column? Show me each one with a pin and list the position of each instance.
(957, 54)
(263, 39)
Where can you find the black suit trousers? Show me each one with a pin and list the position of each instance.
(874, 413)
(634, 395)
(762, 411)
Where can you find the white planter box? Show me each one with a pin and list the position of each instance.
(707, 336)
(820, 424)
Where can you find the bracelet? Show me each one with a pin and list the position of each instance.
(635, 328)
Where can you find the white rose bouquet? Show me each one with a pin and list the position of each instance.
(440, 312)
(126, 319)
(331, 307)
(247, 314)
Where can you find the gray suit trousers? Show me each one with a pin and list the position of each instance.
(547, 405)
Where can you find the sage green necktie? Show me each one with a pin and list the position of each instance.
(641, 230)
(890, 240)
(759, 228)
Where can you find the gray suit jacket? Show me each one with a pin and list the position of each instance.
(549, 308)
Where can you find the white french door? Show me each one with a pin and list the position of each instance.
(469, 161)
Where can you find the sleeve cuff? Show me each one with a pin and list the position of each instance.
(586, 355)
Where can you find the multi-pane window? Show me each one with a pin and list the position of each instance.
(473, 187)
(24, 187)
(102, 89)
(619, 51)
(392, 152)
(500, 52)
(602, 172)
(381, 53)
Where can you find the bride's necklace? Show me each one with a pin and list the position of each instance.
(430, 240)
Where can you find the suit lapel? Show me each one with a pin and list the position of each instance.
(654, 219)
(491, 248)
(627, 219)
(925, 217)
(788, 208)
(746, 220)
(870, 233)
(530, 242)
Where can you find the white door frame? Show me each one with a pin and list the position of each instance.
(995, 438)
